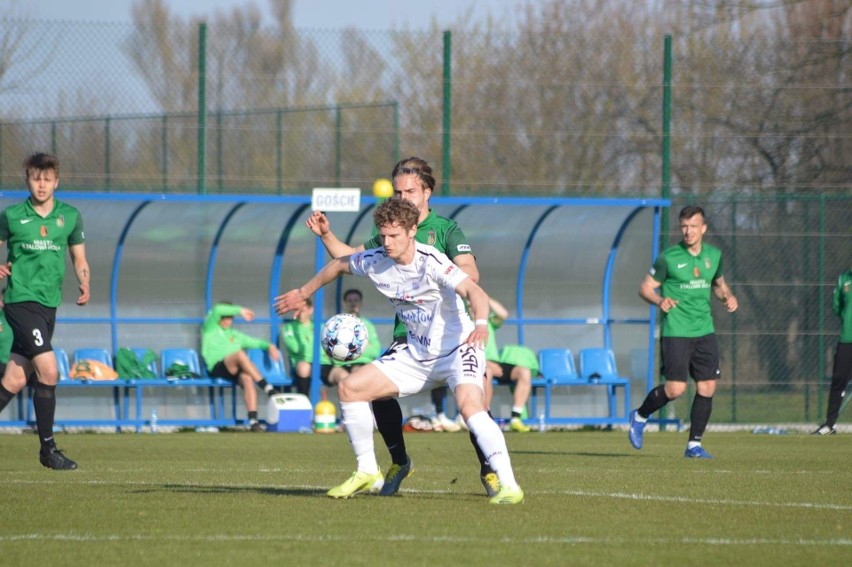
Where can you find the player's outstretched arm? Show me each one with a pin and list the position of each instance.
(295, 298)
(319, 225)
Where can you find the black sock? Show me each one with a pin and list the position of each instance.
(252, 417)
(483, 462)
(388, 416)
(655, 399)
(303, 386)
(516, 413)
(44, 402)
(5, 397)
(438, 395)
(700, 415)
(484, 467)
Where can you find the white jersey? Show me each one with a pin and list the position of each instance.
(423, 295)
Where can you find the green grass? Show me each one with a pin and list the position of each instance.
(254, 499)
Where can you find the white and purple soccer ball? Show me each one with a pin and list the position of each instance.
(344, 337)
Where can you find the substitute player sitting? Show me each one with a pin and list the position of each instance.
(428, 293)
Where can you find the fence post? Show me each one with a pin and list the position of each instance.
(338, 125)
(821, 312)
(666, 149)
(279, 169)
(396, 131)
(107, 151)
(447, 169)
(164, 152)
(202, 109)
(665, 174)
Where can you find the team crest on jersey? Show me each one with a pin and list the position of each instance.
(696, 272)
(846, 287)
(432, 238)
(60, 222)
(43, 231)
(707, 263)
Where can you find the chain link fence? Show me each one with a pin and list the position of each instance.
(569, 104)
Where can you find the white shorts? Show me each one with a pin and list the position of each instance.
(465, 365)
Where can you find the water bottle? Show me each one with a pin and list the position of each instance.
(542, 426)
(154, 420)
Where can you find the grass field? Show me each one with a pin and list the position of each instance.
(256, 499)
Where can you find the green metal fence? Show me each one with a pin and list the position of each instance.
(748, 116)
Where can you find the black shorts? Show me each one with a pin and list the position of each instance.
(506, 378)
(684, 357)
(32, 327)
(219, 370)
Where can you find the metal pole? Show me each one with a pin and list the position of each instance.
(220, 171)
(447, 169)
(164, 151)
(821, 309)
(279, 170)
(202, 109)
(395, 131)
(107, 144)
(666, 149)
(338, 125)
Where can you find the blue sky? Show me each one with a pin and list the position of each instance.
(326, 14)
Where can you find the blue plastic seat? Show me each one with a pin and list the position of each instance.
(597, 366)
(98, 354)
(273, 371)
(557, 365)
(185, 356)
(62, 363)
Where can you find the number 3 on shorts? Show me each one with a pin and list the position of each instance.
(37, 338)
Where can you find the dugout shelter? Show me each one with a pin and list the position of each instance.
(568, 270)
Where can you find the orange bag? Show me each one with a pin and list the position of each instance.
(92, 370)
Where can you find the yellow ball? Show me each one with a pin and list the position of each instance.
(382, 188)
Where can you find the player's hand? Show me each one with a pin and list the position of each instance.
(731, 303)
(318, 223)
(247, 314)
(290, 301)
(274, 353)
(479, 337)
(84, 294)
(667, 304)
(5, 270)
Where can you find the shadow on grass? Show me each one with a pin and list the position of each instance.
(571, 453)
(213, 489)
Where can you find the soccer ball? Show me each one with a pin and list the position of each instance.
(344, 337)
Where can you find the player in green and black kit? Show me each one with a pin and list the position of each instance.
(413, 181)
(38, 232)
(842, 372)
(687, 273)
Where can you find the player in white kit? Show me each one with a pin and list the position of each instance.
(429, 293)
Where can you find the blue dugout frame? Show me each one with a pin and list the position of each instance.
(367, 203)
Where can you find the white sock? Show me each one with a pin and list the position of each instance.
(490, 439)
(639, 418)
(358, 419)
(692, 444)
(518, 410)
(269, 389)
